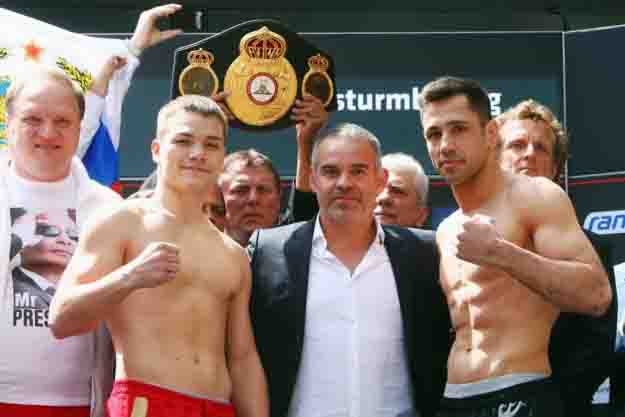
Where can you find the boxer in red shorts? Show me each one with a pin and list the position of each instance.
(131, 396)
(174, 291)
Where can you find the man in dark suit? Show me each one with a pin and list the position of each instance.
(534, 143)
(348, 314)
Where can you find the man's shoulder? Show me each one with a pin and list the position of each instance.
(277, 237)
(532, 190)
(96, 196)
(282, 232)
(103, 191)
(410, 234)
(225, 243)
(122, 215)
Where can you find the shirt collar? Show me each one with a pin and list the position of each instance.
(319, 238)
(43, 283)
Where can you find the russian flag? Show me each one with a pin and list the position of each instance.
(25, 40)
(101, 158)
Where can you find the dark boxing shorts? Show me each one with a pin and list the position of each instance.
(161, 402)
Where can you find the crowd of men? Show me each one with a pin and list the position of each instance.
(197, 298)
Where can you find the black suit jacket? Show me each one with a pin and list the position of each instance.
(581, 347)
(280, 264)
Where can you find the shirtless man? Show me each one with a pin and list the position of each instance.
(512, 257)
(173, 290)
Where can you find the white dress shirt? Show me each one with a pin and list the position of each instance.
(353, 360)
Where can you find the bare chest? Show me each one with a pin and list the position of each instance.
(466, 282)
(206, 268)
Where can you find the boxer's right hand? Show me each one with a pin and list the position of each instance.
(158, 264)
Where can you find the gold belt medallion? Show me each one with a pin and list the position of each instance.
(317, 82)
(198, 77)
(261, 81)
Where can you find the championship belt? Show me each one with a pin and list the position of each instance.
(263, 65)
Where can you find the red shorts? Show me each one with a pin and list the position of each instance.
(20, 410)
(161, 402)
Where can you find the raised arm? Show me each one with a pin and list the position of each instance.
(147, 34)
(97, 280)
(106, 96)
(100, 85)
(95, 101)
(563, 268)
(311, 117)
(249, 393)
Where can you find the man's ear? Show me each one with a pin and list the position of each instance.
(155, 146)
(386, 174)
(383, 179)
(492, 134)
(424, 212)
(313, 180)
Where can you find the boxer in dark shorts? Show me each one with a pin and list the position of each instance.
(535, 398)
(513, 256)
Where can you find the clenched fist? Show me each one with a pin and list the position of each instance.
(158, 264)
(476, 239)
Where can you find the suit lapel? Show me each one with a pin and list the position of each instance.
(403, 264)
(297, 252)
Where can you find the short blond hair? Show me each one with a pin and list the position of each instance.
(36, 73)
(193, 104)
(533, 110)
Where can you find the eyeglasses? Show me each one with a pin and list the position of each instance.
(49, 230)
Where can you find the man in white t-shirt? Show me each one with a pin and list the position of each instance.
(43, 182)
(46, 195)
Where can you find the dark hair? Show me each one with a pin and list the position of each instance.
(447, 87)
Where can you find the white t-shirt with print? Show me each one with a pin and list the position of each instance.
(36, 368)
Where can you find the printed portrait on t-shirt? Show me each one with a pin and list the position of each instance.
(42, 244)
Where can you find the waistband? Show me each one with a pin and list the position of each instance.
(19, 410)
(485, 386)
(138, 388)
(522, 391)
